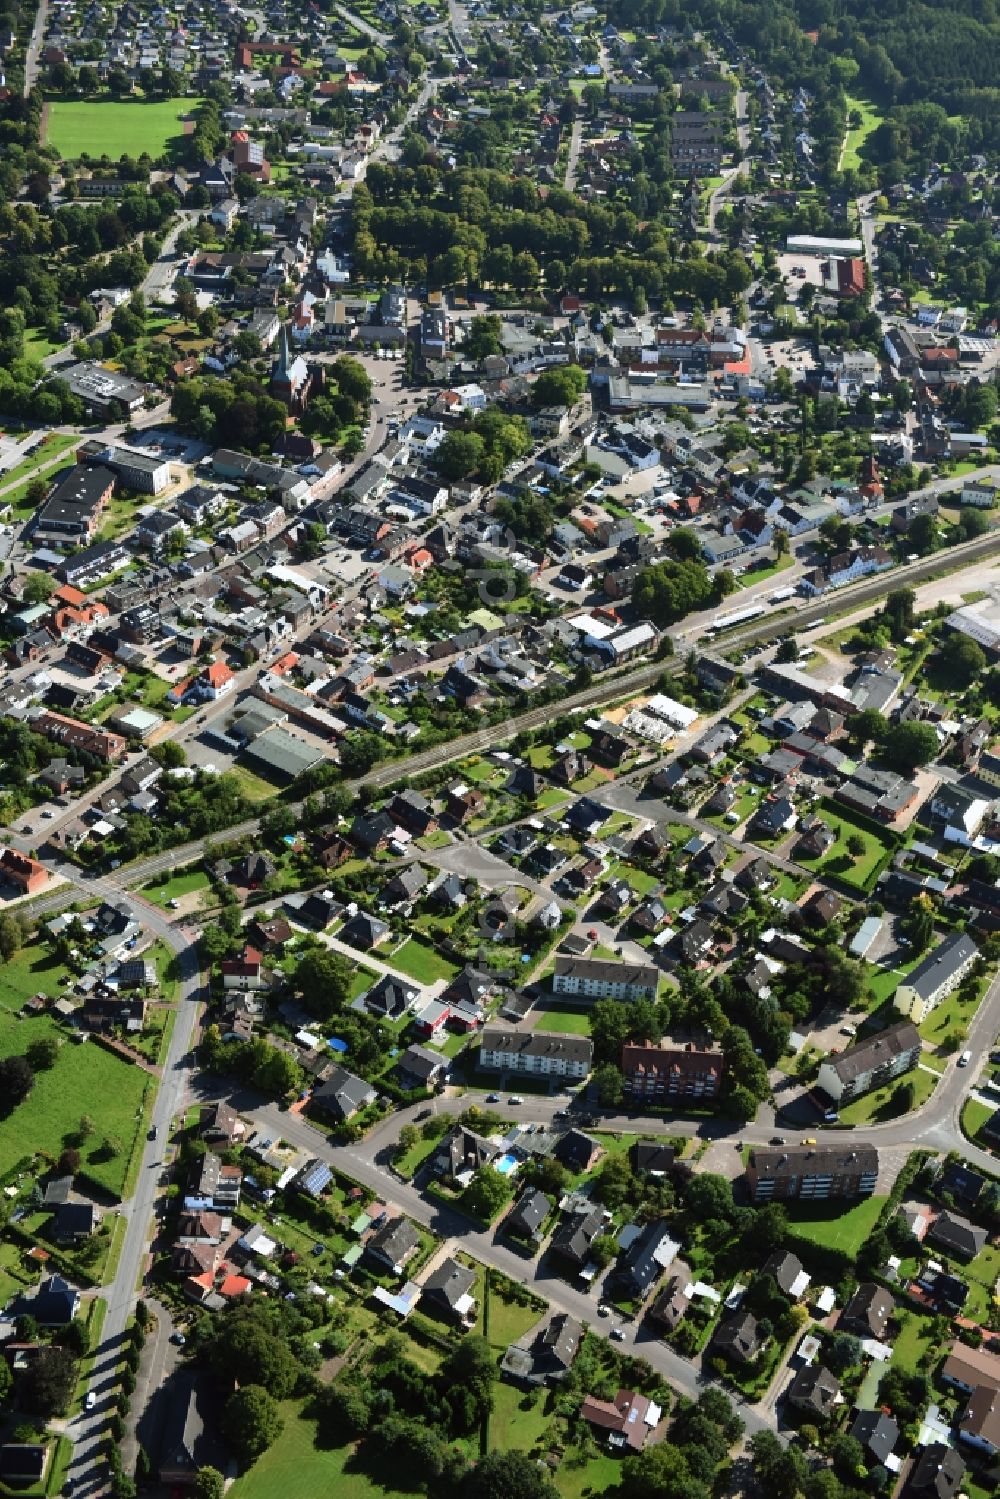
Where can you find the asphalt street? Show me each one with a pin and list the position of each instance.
(87, 1470)
(490, 1248)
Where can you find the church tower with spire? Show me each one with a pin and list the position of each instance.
(291, 379)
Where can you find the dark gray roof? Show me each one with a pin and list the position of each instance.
(530, 1212)
(866, 1055)
(449, 1283)
(814, 1388)
(957, 1235)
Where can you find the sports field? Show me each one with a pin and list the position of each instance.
(115, 127)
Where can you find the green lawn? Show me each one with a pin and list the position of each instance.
(518, 1419)
(974, 1116)
(951, 1017)
(295, 1465)
(110, 127)
(770, 570)
(254, 787)
(861, 871)
(916, 1335)
(983, 1273)
(829, 1226)
(33, 970)
(878, 1104)
(51, 446)
(856, 137)
(162, 893)
(421, 962)
(567, 1022)
(37, 345)
(86, 1079)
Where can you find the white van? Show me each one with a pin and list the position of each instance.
(965, 1059)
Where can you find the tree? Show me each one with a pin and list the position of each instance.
(470, 1367)
(610, 1028)
(42, 1054)
(251, 1422)
(918, 923)
(508, 1475)
(46, 1386)
(962, 659)
(459, 455)
(324, 978)
(907, 746)
(788, 650)
(483, 338)
(709, 1196)
(11, 936)
(615, 1181)
(921, 534)
(661, 1472)
(847, 1456)
(855, 845)
(867, 725)
(359, 752)
(780, 543)
(244, 1348)
(208, 1484)
(607, 1079)
(486, 1194)
(562, 386)
(973, 522)
(16, 1082)
(843, 1352)
(898, 609)
(38, 587)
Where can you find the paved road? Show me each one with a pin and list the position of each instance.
(360, 24)
(490, 1248)
(86, 1471)
(158, 284)
(32, 58)
(606, 689)
(575, 142)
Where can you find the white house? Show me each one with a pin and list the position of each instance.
(539, 1053)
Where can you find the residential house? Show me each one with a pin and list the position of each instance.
(815, 1392)
(597, 978)
(219, 1121)
(937, 1473)
(576, 1233)
(393, 1244)
(934, 978)
(871, 1063)
(628, 1420)
(549, 1356)
(342, 1095)
(667, 1072)
(956, 1236)
(877, 1433)
(528, 1214)
(419, 1067)
(868, 1313)
(462, 1152)
(650, 1252)
(739, 1339)
(812, 1173)
(448, 1290)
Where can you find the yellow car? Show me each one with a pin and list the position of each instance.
(809, 1141)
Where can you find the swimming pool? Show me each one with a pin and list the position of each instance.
(506, 1163)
